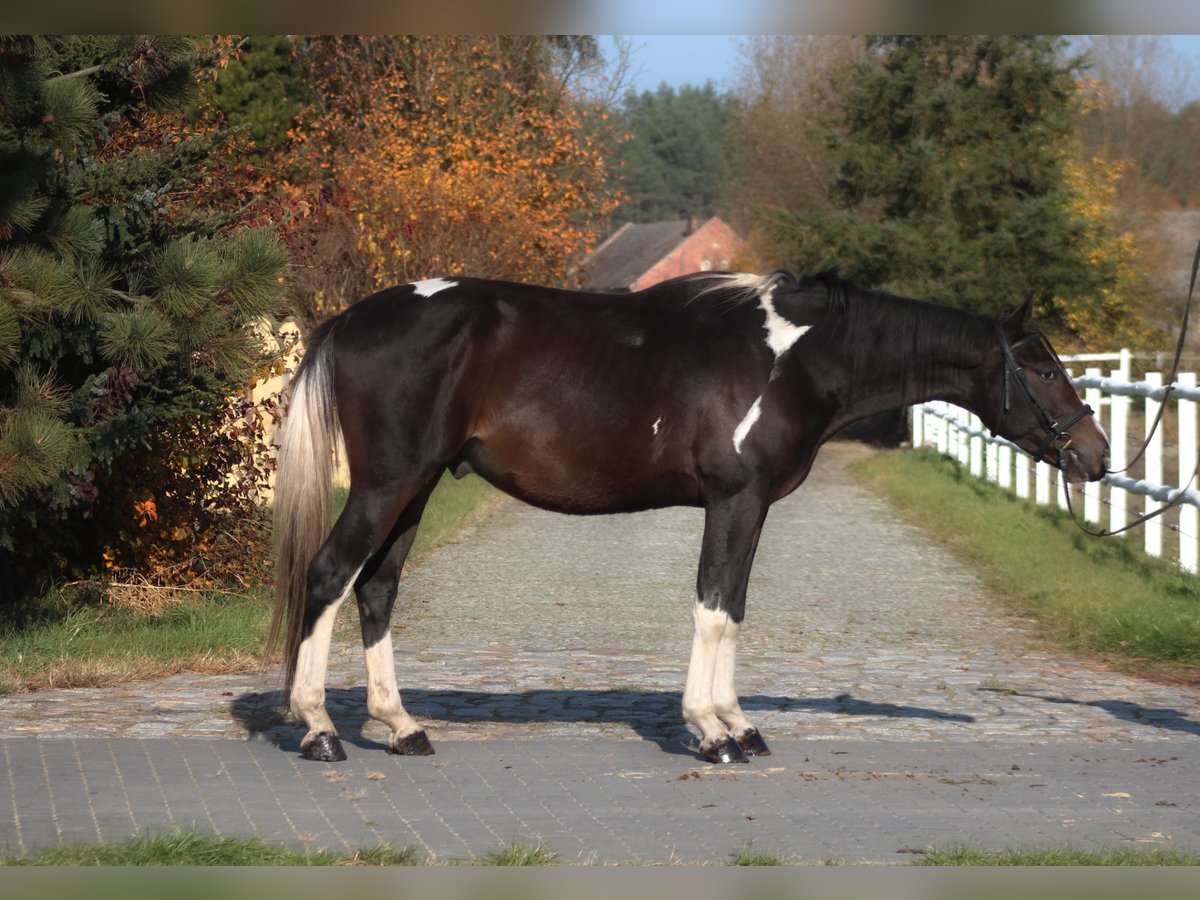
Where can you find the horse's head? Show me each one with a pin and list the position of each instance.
(1032, 402)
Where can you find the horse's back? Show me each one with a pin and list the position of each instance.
(574, 401)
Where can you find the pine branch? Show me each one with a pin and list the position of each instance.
(81, 73)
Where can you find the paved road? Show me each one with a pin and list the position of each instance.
(547, 654)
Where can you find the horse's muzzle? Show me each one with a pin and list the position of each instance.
(1078, 466)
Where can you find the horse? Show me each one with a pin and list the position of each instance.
(712, 390)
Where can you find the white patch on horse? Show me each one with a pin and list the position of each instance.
(383, 697)
(744, 426)
(308, 692)
(781, 333)
(657, 422)
(699, 708)
(431, 286)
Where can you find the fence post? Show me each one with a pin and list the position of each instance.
(1118, 458)
(1022, 475)
(1091, 489)
(1154, 467)
(1189, 516)
(1060, 484)
(960, 440)
(1041, 475)
(918, 429)
(991, 455)
(976, 447)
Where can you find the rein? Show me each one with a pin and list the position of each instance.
(1181, 493)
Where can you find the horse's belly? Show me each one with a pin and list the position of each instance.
(584, 477)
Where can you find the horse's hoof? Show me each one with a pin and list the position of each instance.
(728, 751)
(752, 742)
(325, 747)
(415, 744)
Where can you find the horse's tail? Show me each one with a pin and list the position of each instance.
(303, 485)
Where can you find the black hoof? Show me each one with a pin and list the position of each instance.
(415, 744)
(728, 751)
(325, 747)
(754, 745)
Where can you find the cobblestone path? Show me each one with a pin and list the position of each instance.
(546, 655)
(535, 625)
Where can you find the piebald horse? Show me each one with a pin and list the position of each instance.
(710, 390)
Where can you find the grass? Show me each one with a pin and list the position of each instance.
(520, 855)
(75, 636)
(752, 857)
(1059, 856)
(76, 639)
(1097, 597)
(192, 849)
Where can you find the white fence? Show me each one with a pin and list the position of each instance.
(1127, 410)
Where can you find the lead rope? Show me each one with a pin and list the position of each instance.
(1181, 493)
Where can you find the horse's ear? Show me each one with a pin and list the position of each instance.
(1021, 316)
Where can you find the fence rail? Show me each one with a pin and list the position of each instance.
(1126, 409)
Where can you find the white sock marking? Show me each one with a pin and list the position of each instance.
(383, 696)
(431, 286)
(698, 707)
(725, 698)
(744, 426)
(308, 691)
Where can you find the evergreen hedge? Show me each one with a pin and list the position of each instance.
(126, 305)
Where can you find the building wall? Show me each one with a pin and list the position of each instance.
(709, 248)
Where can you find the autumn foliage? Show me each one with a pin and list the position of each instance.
(443, 156)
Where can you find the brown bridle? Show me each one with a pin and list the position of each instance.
(1057, 435)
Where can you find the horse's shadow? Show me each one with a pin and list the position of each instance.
(1167, 718)
(653, 715)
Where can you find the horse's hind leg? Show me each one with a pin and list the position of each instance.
(377, 590)
(359, 532)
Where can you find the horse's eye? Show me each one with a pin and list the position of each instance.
(1048, 375)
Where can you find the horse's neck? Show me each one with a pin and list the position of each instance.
(937, 361)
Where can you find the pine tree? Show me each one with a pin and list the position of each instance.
(262, 89)
(125, 299)
(953, 182)
(679, 155)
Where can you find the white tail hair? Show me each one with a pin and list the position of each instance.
(303, 482)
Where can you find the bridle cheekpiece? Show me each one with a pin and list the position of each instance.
(1057, 435)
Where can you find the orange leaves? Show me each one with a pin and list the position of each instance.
(459, 155)
(145, 511)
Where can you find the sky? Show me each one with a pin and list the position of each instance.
(679, 59)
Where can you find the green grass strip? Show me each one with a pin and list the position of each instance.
(751, 857)
(1094, 596)
(72, 638)
(1059, 856)
(191, 849)
(520, 854)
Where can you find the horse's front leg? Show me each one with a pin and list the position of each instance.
(725, 697)
(710, 704)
